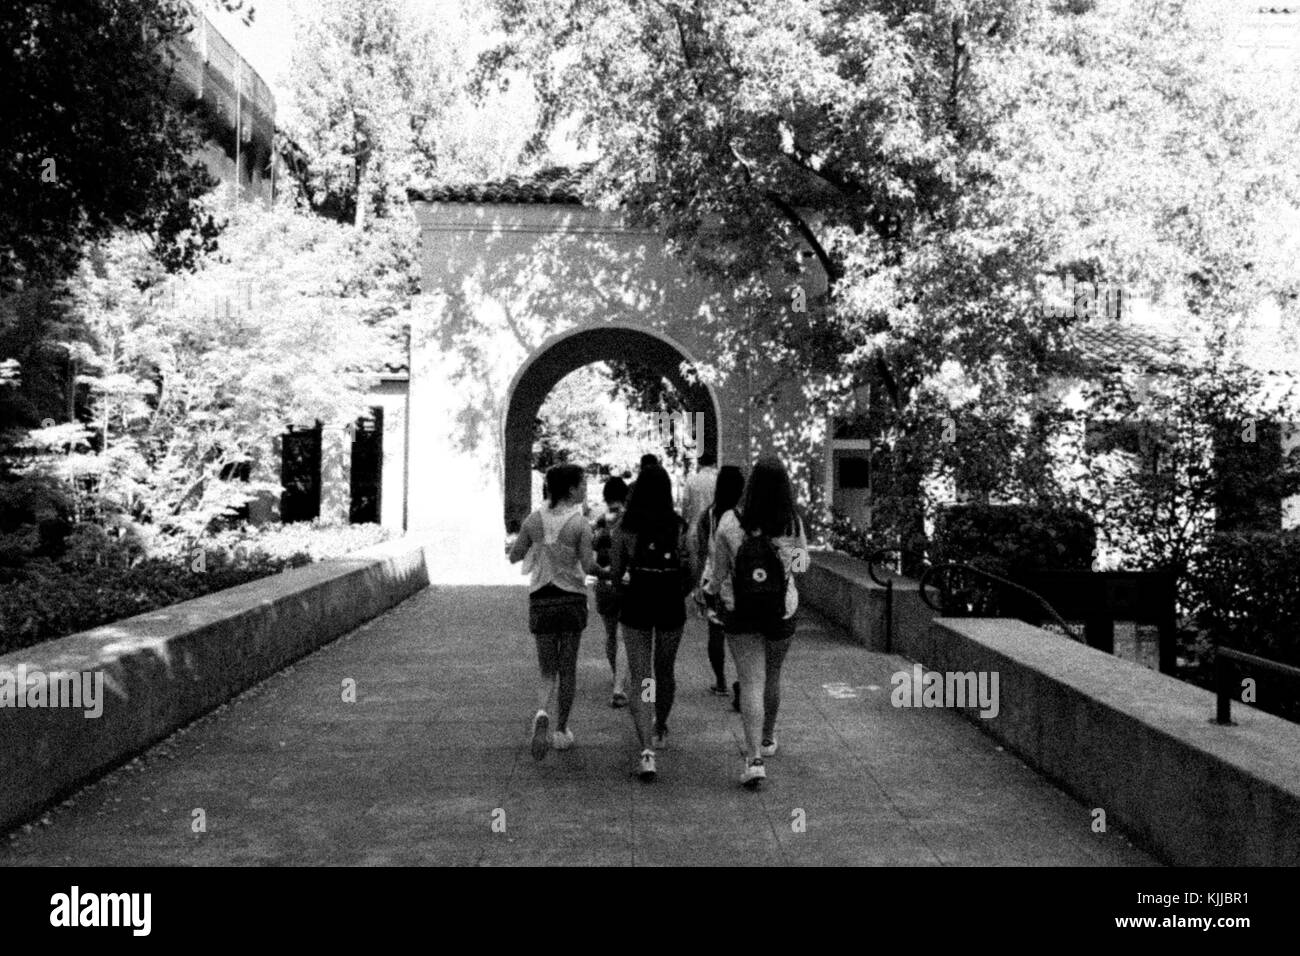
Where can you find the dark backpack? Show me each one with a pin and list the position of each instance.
(657, 564)
(657, 581)
(758, 584)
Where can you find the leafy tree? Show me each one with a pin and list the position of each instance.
(605, 414)
(96, 136)
(942, 162)
(192, 379)
(381, 100)
(1170, 454)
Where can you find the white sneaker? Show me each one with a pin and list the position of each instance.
(754, 773)
(768, 747)
(540, 722)
(647, 771)
(562, 739)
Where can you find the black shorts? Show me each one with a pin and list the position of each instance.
(553, 610)
(607, 603)
(778, 631)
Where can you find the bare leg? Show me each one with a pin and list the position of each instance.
(548, 671)
(641, 689)
(568, 676)
(751, 667)
(775, 652)
(665, 661)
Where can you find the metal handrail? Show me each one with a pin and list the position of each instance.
(939, 569)
(875, 556)
(1223, 658)
(888, 585)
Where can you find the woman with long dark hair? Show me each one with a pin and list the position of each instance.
(727, 490)
(649, 560)
(758, 549)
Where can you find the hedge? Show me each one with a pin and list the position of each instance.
(1010, 539)
(101, 578)
(1247, 586)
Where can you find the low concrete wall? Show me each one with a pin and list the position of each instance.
(167, 667)
(1136, 743)
(840, 588)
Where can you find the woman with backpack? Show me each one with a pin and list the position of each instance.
(758, 549)
(556, 539)
(649, 562)
(726, 494)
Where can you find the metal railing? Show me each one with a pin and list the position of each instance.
(945, 573)
(1227, 663)
(888, 585)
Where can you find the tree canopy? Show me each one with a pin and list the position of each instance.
(382, 99)
(96, 136)
(942, 163)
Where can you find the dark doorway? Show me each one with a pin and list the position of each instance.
(367, 467)
(300, 474)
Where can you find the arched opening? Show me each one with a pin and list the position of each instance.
(569, 351)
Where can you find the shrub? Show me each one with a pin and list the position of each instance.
(1010, 539)
(1247, 596)
(1248, 592)
(104, 576)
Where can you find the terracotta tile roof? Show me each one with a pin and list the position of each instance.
(556, 185)
(1115, 344)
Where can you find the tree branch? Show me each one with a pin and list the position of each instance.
(687, 58)
(958, 54)
(833, 270)
(887, 379)
(885, 225)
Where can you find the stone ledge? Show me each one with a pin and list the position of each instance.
(1118, 736)
(167, 667)
(1138, 744)
(840, 588)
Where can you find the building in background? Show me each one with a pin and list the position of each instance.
(236, 106)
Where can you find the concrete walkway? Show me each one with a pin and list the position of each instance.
(434, 751)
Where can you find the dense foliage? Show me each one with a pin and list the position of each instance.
(94, 577)
(1250, 592)
(97, 135)
(189, 381)
(382, 101)
(921, 175)
(1008, 539)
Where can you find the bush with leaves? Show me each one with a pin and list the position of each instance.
(1247, 594)
(102, 577)
(1010, 539)
(1168, 453)
(193, 378)
(1250, 592)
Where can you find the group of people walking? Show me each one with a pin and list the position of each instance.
(735, 547)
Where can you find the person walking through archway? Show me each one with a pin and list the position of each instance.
(615, 495)
(649, 562)
(757, 552)
(725, 496)
(556, 540)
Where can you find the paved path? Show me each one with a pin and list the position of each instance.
(436, 742)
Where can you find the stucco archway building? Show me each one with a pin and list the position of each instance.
(523, 284)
